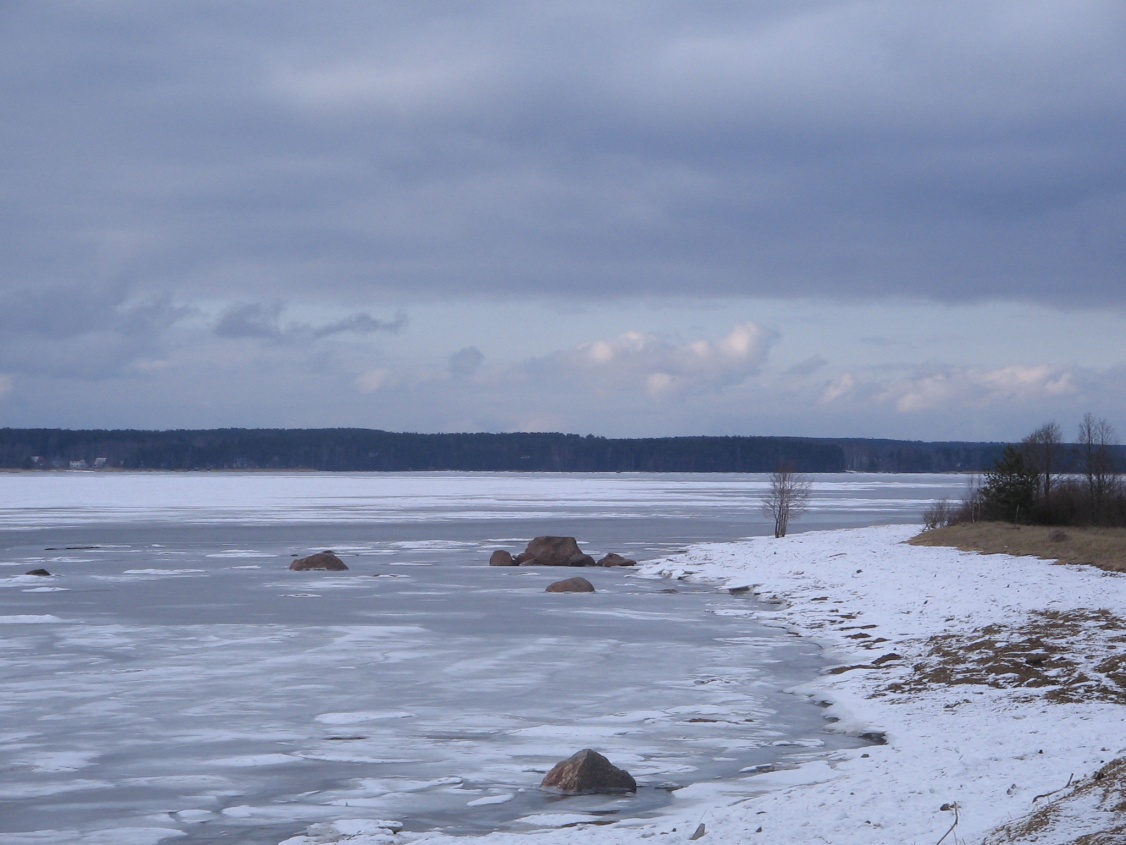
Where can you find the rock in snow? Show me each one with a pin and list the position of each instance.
(588, 772)
(321, 561)
(615, 559)
(554, 551)
(501, 558)
(577, 584)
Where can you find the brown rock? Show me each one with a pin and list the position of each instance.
(615, 559)
(321, 560)
(577, 584)
(554, 551)
(501, 558)
(588, 772)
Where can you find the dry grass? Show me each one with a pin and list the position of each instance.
(1070, 657)
(1101, 547)
(1096, 804)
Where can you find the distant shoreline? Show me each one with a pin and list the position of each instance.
(369, 450)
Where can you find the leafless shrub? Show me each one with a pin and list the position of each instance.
(939, 515)
(786, 498)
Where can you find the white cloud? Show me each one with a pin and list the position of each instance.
(1031, 380)
(661, 366)
(373, 380)
(5, 385)
(972, 387)
(839, 388)
(660, 384)
(404, 86)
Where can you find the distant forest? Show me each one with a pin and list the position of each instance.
(365, 450)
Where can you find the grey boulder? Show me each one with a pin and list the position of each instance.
(588, 772)
(323, 561)
(577, 584)
(501, 558)
(554, 551)
(615, 559)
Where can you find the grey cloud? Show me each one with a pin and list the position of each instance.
(361, 323)
(808, 366)
(465, 362)
(57, 310)
(848, 149)
(91, 331)
(253, 320)
(152, 317)
(94, 355)
(263, 321)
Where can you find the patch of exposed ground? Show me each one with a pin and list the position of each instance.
(1072, 656)
(1101, 547)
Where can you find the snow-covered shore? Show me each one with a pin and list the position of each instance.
(996, 680)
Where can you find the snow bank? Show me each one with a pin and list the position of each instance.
(966, 663)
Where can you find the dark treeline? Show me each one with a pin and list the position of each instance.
(1045, 481)
(349, 449)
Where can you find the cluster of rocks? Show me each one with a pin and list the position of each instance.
(555, 551)
(542, 551)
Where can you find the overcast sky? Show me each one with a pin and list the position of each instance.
(631, 218)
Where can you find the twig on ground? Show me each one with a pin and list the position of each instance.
(954, 807)
(1070, 778)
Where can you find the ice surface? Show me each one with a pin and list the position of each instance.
(360, 717)
(178, 695)
(54, 499)
(502, 798)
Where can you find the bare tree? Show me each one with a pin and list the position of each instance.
(1096, 461)
(786, 498)
(1042, 452)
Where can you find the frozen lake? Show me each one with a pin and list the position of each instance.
(173, 679)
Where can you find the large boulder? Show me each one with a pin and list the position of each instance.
(615, 559)
(577, 584)
(588, 772)
(320, 561)
(554, 551)
(501, 558)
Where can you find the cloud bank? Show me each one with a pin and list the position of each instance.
(844, 149)
(222, 214)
